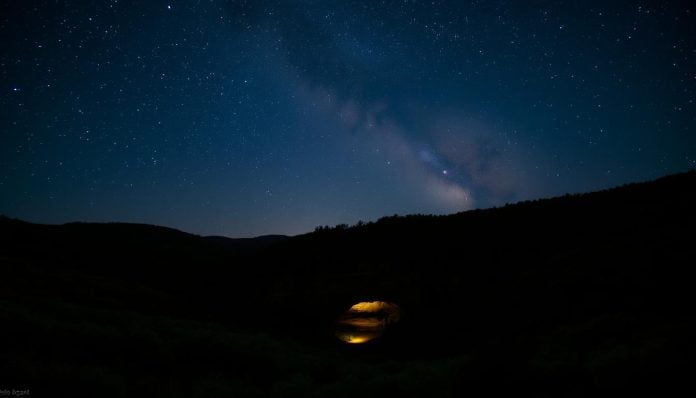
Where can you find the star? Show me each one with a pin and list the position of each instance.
(369, 108)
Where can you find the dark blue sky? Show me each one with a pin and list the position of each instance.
(243, 118)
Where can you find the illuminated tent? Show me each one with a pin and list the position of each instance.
(366, 321)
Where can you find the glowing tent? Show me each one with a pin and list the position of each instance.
(366, 321)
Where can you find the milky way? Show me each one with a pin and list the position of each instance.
(242, 118)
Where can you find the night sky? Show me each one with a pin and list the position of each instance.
(243, 118)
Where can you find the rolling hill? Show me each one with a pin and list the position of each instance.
(584, 294)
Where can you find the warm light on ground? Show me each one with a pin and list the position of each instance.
(354, 338)
(366, 321)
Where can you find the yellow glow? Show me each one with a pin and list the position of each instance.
(357, 337)
(358, 340)
(369, 306)
(391, 311)
(366, 321)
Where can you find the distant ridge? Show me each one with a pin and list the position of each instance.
(658, 187)
(100, 233)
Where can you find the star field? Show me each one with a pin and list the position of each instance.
(243, 118)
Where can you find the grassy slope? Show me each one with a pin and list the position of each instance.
(584, 294)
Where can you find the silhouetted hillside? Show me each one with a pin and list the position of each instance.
(132, 236)
(164, 260)
(578, 295)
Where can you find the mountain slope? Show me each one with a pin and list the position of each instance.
(579, 295)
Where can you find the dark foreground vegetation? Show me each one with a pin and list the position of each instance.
(583, 295)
